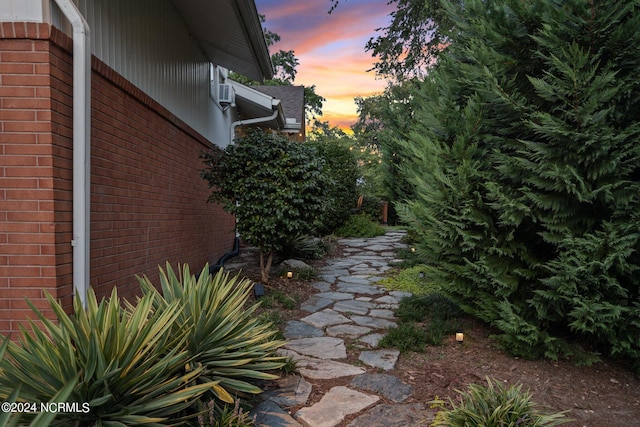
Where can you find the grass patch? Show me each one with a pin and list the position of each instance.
(278, 299)
(360, 226)
(405, 337)
(410, 280)
(423, 320)
(289, 367)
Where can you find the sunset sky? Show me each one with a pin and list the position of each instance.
(330, 48)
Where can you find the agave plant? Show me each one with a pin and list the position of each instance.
(496, 406)
(222, 333)
(130, 366)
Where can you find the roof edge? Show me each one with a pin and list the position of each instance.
(253, 27)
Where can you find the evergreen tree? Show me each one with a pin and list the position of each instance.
(526, 167)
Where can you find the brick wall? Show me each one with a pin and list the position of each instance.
(147, 199)
(33, 192)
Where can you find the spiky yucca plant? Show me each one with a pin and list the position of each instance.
(129, 365)
(496, 406)
(223, 335)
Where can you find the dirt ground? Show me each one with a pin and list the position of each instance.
(603, 395)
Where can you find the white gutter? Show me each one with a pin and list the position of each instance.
(81, 147)
(275, 104)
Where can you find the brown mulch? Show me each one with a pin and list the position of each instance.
(603, 395)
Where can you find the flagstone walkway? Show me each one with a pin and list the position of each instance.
(349, 306)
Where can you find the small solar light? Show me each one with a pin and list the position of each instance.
(289, 274)
(459, 337)
(413, 250)
(258, 290)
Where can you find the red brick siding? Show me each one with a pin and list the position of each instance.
(33, 258)
(148, 202)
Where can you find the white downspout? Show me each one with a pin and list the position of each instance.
(81, 147)
(273, 115)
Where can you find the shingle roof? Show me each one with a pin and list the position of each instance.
(292, 98)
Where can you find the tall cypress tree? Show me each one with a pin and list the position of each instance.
(526, 166)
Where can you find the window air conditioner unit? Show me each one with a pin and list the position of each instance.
(225, 94)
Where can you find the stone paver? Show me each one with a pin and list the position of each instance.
(315, 303)
(322, 369)
(268, 414)
(292, 390)
(320, 347)
(388, 415)
(371, 339)
(387, 385)
(297, 329)
(325, 318)
(384, 359)
(334, 406)
(351, 331)
(353, 306)
(383, 314)
(373, 322)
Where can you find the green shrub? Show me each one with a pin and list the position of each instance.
(526, 178)
(360, 226)
(341, 172)
(496, 406)
(275, 187)
(372, 207)
(305, 247)
(129, 365)
(222, 333)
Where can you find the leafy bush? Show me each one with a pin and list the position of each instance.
(306, 247)
(342, 173)
(372, 207)
(221, 334)
(496, 406)
(360, 226)
(275, 187)
(129, 365)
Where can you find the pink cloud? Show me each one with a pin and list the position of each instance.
(330, 48)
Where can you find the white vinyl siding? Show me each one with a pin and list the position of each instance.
(21, 10)
(147, 43)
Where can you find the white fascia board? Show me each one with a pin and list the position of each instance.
(258, 99)
(260, 104)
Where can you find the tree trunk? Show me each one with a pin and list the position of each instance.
(265, 269)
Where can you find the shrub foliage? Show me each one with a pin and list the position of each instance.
(525, 162)
(275, 187)
(126, 364)
(149, 363)
(341, 173)
(495, 406)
